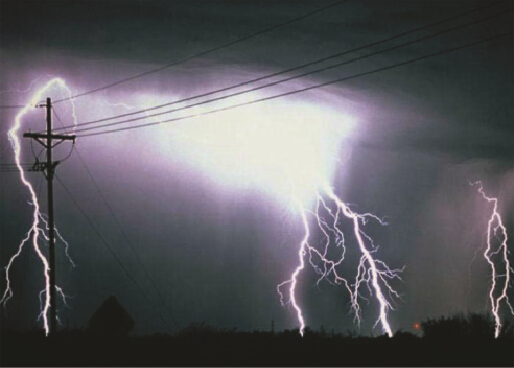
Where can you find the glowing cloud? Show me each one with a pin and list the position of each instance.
(268, 146)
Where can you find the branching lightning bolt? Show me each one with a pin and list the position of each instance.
(499, 280)
(371, 272)
(36, 231)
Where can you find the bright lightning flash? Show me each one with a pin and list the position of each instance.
(276, 147)
(373, 273)
(282, 145)
(36, 232)
(500, 280)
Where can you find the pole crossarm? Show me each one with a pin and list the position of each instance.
(60, 137)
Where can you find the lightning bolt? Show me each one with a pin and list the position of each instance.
(371, 272)
(36, 232)
(499, 280)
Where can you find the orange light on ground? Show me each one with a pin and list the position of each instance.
(417, 326)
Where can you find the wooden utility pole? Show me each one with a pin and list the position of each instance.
(48, 169)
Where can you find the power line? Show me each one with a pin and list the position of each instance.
(5, 171)
(15, 165)
(12, 106)
(317, 61)
(321, 85)
(13, 168)
(111, 251)
(203, 53)
(291, 78)
(314, 62)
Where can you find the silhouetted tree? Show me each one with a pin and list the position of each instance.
(405, 336)
(473, 325)
(111, 319)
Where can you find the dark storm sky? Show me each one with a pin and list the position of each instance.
(215, 251)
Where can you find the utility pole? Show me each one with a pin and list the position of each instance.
(48, 169)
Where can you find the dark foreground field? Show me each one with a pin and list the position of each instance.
(209, 347)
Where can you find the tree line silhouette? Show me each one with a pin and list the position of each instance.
(458, 340)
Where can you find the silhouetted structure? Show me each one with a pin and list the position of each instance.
(111, 319)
